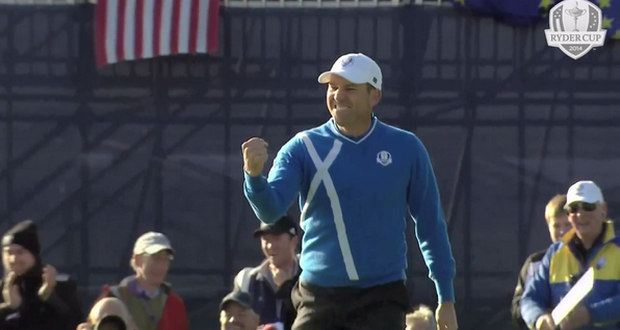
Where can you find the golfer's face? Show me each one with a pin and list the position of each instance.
(348, 103)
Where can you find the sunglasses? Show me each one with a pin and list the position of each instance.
(574, 207)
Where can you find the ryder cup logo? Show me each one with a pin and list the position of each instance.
(575, 27)
(346, 61)
(384, 158)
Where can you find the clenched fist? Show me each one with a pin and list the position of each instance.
(254, 155)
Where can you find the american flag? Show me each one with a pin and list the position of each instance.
(132, 29)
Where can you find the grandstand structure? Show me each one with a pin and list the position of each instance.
(98, 156)
(262, 3)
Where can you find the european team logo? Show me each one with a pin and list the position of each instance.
(575, 27)
(346, 61)
(384, 158)
(600, 263)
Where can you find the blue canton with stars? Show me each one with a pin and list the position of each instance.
(528, 12)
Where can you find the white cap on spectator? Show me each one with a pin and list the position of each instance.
(151, 243)
(356, 68)
(584, 191)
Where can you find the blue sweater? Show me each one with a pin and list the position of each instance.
(354, 196)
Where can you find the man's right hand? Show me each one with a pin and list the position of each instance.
(254, 155)
(545, 322)
(10, 292)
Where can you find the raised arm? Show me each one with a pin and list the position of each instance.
(271, 197)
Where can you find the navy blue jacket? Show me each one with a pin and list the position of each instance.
(273, 304)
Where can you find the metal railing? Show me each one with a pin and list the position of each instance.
(262, 3)
(325, 3)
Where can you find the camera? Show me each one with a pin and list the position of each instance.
(110, 322)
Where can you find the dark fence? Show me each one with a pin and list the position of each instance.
(97, 157)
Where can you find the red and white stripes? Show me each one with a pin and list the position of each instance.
(132, 29)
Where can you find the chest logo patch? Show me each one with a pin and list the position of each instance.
(600, 263)
(384, 158)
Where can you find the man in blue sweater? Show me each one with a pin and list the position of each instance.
(357, 179)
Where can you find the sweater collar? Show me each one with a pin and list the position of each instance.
(334, 128)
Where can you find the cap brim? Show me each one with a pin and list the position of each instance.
(581, 199)
(273, 231)
(326, 76)
(156, 248)
(231, 300)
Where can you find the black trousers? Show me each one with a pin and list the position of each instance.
(381, 307)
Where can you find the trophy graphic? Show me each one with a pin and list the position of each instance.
(586, 33)
(575, 13)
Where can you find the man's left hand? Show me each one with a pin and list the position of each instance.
(577, 319)
(446, 316)
(49, 282)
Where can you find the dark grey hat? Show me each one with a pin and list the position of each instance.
(242, 298)
(283, 225)
(25, 234)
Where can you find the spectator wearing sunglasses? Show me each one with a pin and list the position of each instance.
(557, 224)
(591, 243)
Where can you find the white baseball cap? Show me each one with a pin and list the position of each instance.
(151, 243)
(584, 191)
(356, 68)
